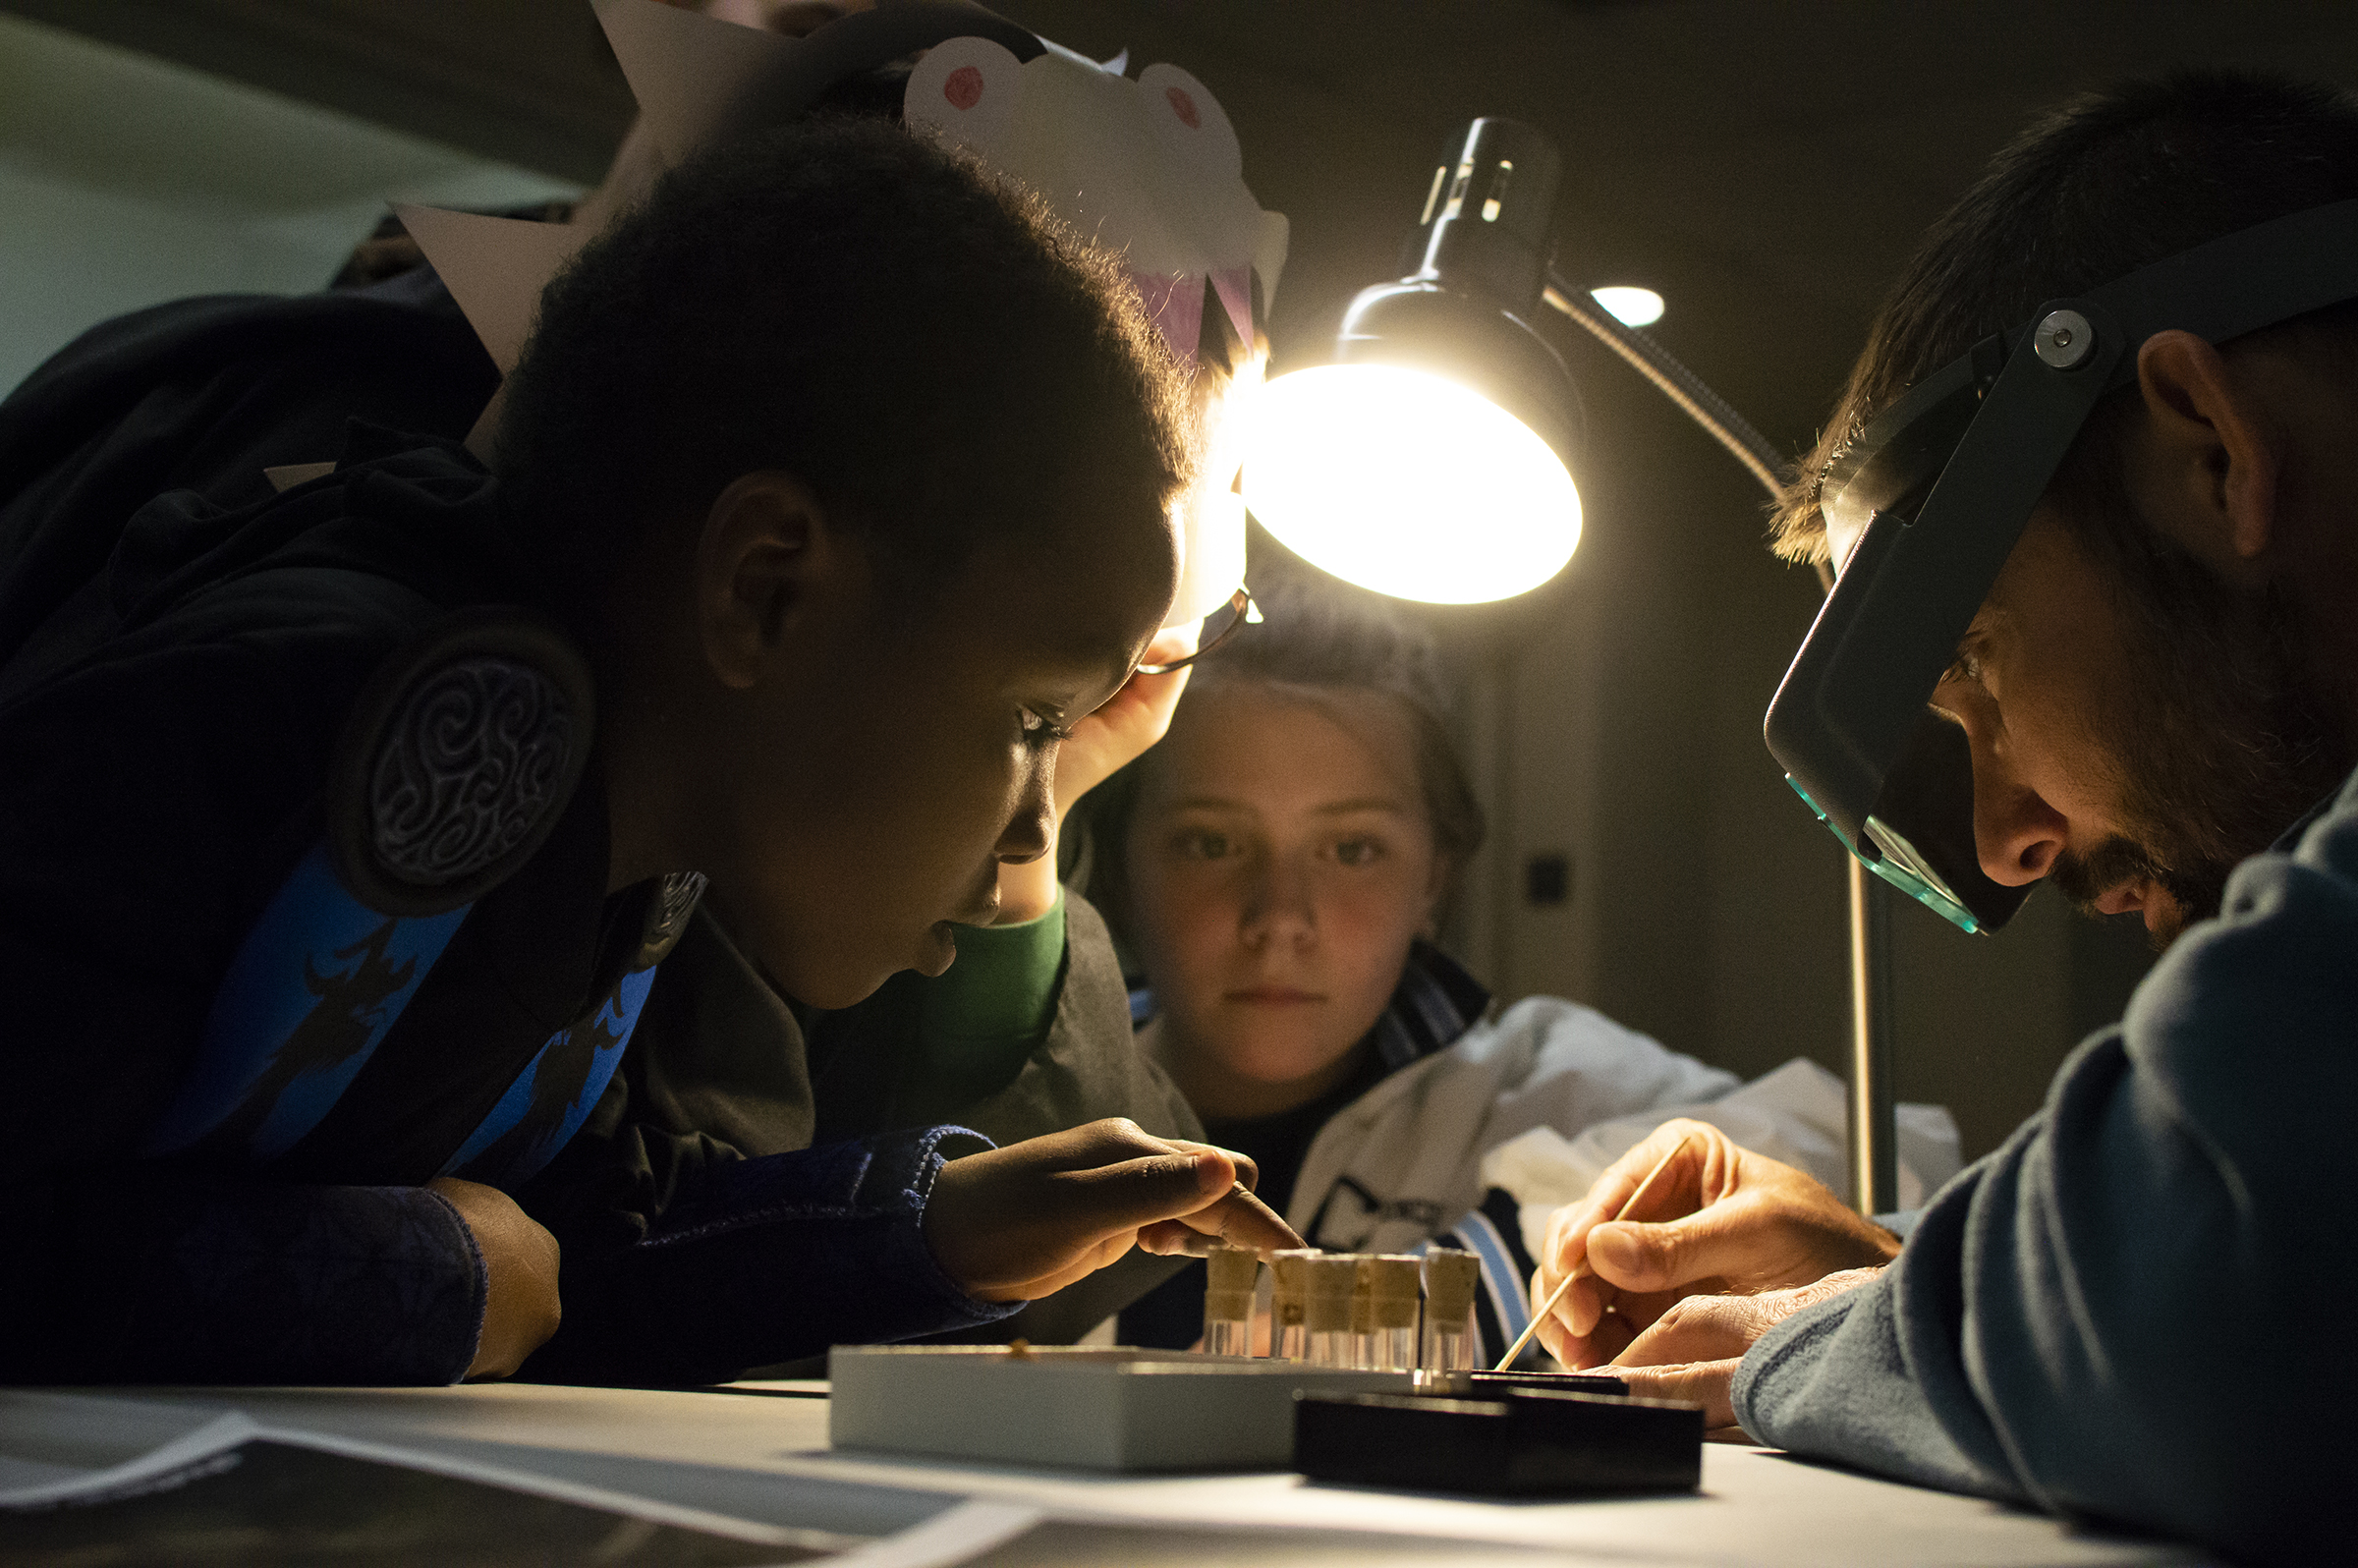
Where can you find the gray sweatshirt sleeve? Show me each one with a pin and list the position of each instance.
(2137, 1309)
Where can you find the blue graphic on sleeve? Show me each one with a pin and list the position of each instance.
(318, 980)
(552, 1097)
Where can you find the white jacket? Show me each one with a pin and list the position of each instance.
(1539, 1101)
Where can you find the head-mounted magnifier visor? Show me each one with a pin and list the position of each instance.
(1922, 508)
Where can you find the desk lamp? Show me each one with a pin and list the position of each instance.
(1431, 459)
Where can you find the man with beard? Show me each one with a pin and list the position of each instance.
(2156, 701)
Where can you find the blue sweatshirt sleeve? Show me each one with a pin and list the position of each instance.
(770, 1260)
(148, 1273)
(2135, 1310)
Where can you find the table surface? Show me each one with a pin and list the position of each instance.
(760, 1452)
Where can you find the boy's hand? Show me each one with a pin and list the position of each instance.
(1132, 719)
(1023, 1221)
(520, 1262)
(1719, 1220)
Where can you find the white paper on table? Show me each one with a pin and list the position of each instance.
(955, 1535)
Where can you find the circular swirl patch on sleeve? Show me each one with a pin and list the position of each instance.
(457, 760)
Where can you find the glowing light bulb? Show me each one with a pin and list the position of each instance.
(1631, 307)
(1408, 483)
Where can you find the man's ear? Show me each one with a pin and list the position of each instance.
(767, 549)
(2205, 459)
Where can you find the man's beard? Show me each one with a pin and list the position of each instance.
(2217, 744)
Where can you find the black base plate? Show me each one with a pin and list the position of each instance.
(1521, 1445)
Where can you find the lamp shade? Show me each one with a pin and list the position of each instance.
(1403, 481)
(1431, 459)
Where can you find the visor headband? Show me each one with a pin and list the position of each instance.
(1979, 441)
(2308, 260)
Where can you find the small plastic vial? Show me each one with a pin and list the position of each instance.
(1450, 1338)
(1230, 1277)
(1289, 1303)
(1328, 1317)
(1385, 1310)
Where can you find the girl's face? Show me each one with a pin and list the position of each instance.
(1280, 862)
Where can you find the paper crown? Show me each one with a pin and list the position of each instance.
(1149, 168)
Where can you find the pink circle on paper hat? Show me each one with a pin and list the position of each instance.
(966, 90)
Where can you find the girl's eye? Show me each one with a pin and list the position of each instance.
(1358, 852)
(1200, 843)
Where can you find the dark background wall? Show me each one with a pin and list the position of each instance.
(1766, 167)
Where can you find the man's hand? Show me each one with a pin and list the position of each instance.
(1693, 1349)
(1101, 744)
(1718, 1220)
(1020, 1222)
(519, 1263)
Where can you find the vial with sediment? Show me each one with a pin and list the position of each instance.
(1230, 1276)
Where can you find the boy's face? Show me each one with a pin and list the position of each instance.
(907, 749)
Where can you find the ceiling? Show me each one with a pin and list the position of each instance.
(128, 124)
(1765, 166)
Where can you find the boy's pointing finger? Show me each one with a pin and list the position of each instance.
(1238, 1219)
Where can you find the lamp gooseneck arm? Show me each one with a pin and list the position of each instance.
(1675, 381)
(1873, 1140)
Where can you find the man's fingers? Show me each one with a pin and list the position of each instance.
(1679, 1155)
(1583, 1305)
(1640, 1257)
(1555, 1342)
(1609, 1338)
(1697, 1329)
(1730, 1240)
(1707, 1384)
(1717, 1327)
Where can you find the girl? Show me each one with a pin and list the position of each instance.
(1276, 868)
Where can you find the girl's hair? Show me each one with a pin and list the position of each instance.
(1313, 639)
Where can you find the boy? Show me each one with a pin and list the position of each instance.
(1028, 1034)
(347, 831)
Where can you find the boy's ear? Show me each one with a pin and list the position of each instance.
(2207, 454)
(767, 551)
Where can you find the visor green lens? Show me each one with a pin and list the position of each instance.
(1913, 878)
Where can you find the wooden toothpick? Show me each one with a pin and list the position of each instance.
(1581, 1269)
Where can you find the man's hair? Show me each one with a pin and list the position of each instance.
(2097, 188)
(1315, 640)
(919, 342)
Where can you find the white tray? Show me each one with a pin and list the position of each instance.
(1078, 1408)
